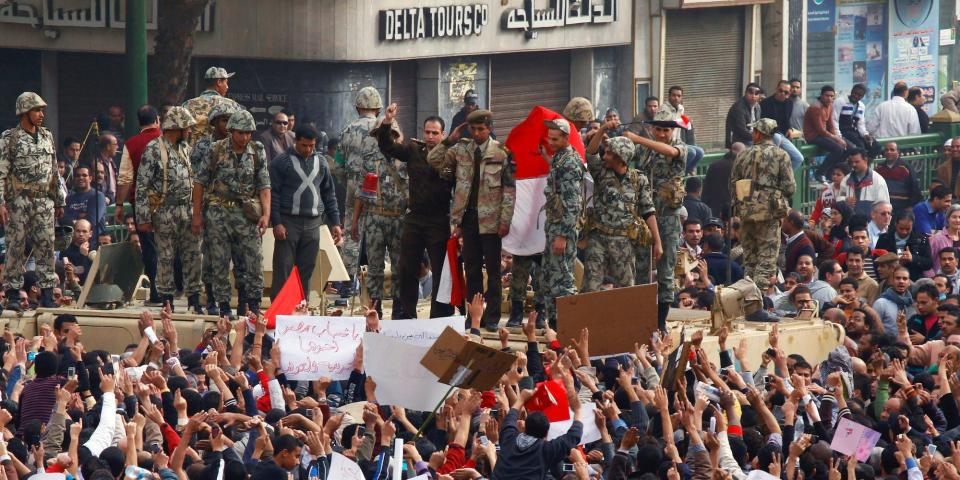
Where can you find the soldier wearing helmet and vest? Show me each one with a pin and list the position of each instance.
(579, 111)
(356, 145)
(30, 198)
(216, 94)
(231, 198)
(164, 189)
(219, 115)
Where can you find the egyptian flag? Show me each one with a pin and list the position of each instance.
(451, 287)
(550, 398)
(286, 301)
(527, 236)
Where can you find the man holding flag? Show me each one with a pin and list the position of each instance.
(483, 200)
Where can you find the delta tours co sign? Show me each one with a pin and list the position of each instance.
(401, 24)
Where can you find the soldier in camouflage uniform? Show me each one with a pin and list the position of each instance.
(30, 198)
(622, 198)
(483, 200)
(216, 94)
(763, 204)
(165, 185)
(379, 220)
(525, 271)
(219, 115)
(356, 146)
(564, 205)
(231, 195)
(579, 111)
(663, 159)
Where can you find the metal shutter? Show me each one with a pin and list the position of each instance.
(821, 48)
(704, 55)
(521, 81)
(23, 76)
(89, 84)
(403, 92)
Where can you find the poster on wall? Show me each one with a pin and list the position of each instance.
(860, 51)
(820, 16)
(914, 39)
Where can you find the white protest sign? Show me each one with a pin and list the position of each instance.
(398, 459)
(401, 379)
(314, 347)
(342, 468)
(420, 332)
(590, 431)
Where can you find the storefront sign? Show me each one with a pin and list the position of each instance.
(560, 13)
(88, 14)
(820, 16)
(913, 46)
(432, 22)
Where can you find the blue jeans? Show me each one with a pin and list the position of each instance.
(694, 155)
(796, 159)
(835, 154)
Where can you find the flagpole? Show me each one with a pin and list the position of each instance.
(433, 413)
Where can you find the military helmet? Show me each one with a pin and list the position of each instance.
(242, 121)
(177, 118)
(368, 97)
(621, 147)
(579, 109)
(221, 109)
(28, 101)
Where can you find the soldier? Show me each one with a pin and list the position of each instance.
(355, 145)
(218, 117)
(663, 159)
(165, 183)
(30, 198)
(483, 199)
(564, 194)
(216, 93)
(233, 184)
(761, 182)
(622, 199)
(580, 112)
(526, 269)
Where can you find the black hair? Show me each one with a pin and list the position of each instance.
(850, 281)
(70, 140)
(436, 118)
(930, 290)
(147, 115)
(61, 319)
(647, 100)
(690, 221)
(675, 87)
(940, 191)
(694, 185)
(827, 88)
(306, 132)
(798, 290)
(826, 267)
(714, 241)
(537, 425)
(287, 443)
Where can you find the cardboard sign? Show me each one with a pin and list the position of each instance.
(616, 318)
(459, 362)
(420, 332)
(315, 347)
(852, 438)
(401, 380)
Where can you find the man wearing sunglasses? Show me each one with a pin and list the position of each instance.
(744, 112)
(278, 138)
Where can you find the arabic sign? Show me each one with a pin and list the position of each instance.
(821, 16)
(314, 347)
(914, 26)
(559, 14)
(86, 14)
(432, 22)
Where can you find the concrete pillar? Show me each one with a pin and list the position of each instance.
(49, 90)
(581, 74)
(749, 45)
(774, 34)
(428, 91)
(640, 54)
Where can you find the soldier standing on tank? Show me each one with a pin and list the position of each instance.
(216, 93)
(30, 199)
(622, 198)
(663, 159)
(564, 193)
(356, 145)
(483, 200)
(231, 192)
(761, 182)
(218, 118)
(165, 185)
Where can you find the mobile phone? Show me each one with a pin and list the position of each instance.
(483, 440)
(568, 467)
(494, 412)
(308, 412)
(767, 379)
(713, 424)
(31, 356)
(71, 372)
(931, 449)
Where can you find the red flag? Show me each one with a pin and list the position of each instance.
(451, 289)
(526, 138)
(550, 398)
(287, 299)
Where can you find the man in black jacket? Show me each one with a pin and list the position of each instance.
(912, 247)
(427, 222)
(742, 113)
(779, 107)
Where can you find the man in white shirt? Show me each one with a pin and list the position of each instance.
(895, 117)
(880, 217)
(862, 187)
(692, 233)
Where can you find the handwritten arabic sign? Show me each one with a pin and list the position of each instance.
(432, 22)
(561, 13)
(420, 332)
(314, 347)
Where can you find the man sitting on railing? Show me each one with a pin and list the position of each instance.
(862, 187)
(819, 130)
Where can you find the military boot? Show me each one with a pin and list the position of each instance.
(193, 304)
(516, 314)
(211, 301)
(168, 300)
(662, 310)
(225, 310)
(252, 306)
(13, 299)
(46, 298)
(541, 316)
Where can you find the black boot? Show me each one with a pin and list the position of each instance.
(225, 310)
(13, 299)
(193, 304)
(211, 301)
(253, 305)
(397, 312)
(168, 299)
(516, 314)
(241, 302)
(46, 298)
(662, 310)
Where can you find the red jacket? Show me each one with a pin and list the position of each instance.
(135, 146)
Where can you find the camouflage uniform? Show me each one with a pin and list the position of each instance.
(618, 201)
(381, 222)
(163, 198)
(760, 214)
(231, 234)
(661, 170)
(526, 271)
(30, 190)
(200, 108)
(579, 110)
(564, 193)
(495, 195)
(356, 145)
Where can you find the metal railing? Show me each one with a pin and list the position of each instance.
(922, 152)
